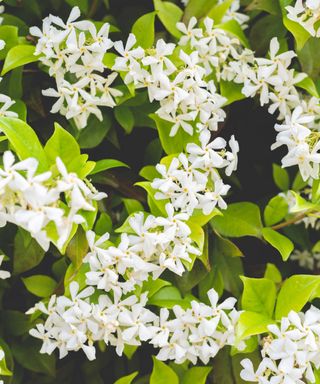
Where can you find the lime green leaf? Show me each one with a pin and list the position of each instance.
(168, 297)
(219, 10)
(19, 56)
(308, 84)
(169, 14)
(143, 29)
(276, 210)
(40, 285)
(103, 224)
(153, 286)
(252, 323)
(149, 172)
(233, 27)
(239, 219)
(259, 295)
(198, 9)
(176, 143)
(24, 141)
(280, 177)
(284, 245)
(273, 273)
(132, 205)
(126, 379)
(231, 91)
(295, 293)
(109, 59)
(9, 34)
(196, 375)
(157, 207)
(162, 373)
(105, 164)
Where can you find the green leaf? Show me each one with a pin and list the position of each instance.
(169, 14)
(270, 6)
(95, 131)
(153, 286)
(82, 4)
(273, 273)
(300, 34)
(231, 91)
(40, 285)
(225, 256)
(62, 144)
(103, 224)
(162, 373)
(198, 8)
(239, 219)
(125, 118)
(27, 354)
(132, 205)
(77, 247)
(24, 141)
(284, 245)
(27, 252)
(157, 207)
(252, 323)
(233, 27)
(143, 29)
(259, 295)
(280, 177)
(76, 274)
(19, 56)
(105, 164)
(168, 297)
(9, 34)
(126, 379)
(196, 375)
(219, 10)
(276, 210)
(308, 84)
(149, 172)
(177, 143)
(295, 292)
(263, 30)
(309, 57)
(15, 323)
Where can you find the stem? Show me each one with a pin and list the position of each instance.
(93, 8)
(291, 221)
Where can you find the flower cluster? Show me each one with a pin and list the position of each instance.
(74, 51)
(75, 323)
(44, 204)
(307, 14)
(198, 332)
(149, 245)
(186, 98)
(191, 180)
(290, 352)
(276, 84)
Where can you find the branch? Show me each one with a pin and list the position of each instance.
(291, 221)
